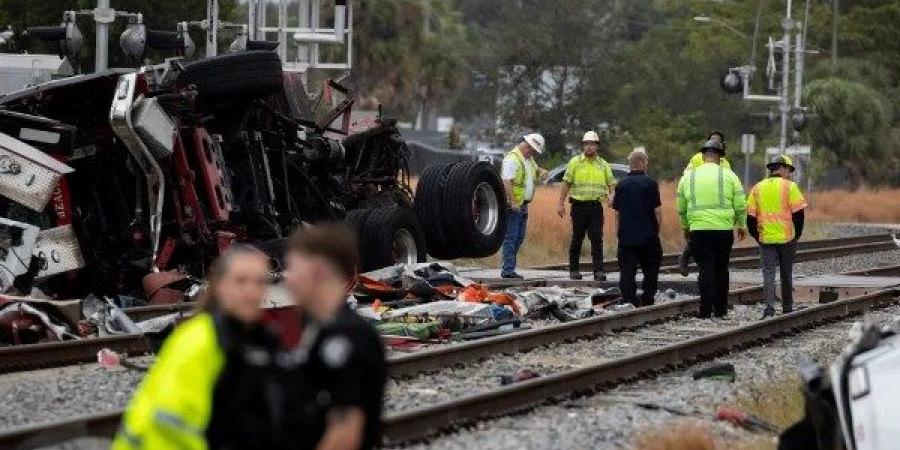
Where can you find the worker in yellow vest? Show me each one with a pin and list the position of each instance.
(712, 206)
(520, 174)
(588, 183)
(775, 216)
(684, 260)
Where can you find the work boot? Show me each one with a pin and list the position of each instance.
(512, 275)
(599, 276)
(768, 312)
(575, 275)
(787, 307)
(683, 262)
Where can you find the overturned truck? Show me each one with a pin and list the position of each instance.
(124, 181)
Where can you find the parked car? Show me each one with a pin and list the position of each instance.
(113, 178)
(555, 175)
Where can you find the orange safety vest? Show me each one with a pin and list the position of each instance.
(773, 201)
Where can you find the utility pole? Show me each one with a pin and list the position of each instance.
(103, 15)
(787, 24)
(834, 30)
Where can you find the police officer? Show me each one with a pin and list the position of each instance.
(334, 399)
(775, 219)
(520, 174)
(711, 206)
(210, 387)
(684, 259)
(588, 182)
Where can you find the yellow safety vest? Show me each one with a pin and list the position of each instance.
(588, 178)
(711, 197)
(697, 161)
(773, 201)
(173, 404)
(518, 182)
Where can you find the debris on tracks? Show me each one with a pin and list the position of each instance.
(428, 303)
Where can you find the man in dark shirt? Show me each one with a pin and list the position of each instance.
(637, 203)
(335, 400)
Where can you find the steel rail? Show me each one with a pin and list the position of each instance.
(420, 423)
(54, 354)
(671, 259)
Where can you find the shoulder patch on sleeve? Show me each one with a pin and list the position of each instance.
(335, 351)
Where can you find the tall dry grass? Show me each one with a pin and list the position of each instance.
(547, 241)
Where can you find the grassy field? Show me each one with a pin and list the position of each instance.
(548, 236)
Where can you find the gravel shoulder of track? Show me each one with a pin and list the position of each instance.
(61, 393)
(611, 419)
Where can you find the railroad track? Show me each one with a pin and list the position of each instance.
(423, 422)
(748, 257)
(56, 354)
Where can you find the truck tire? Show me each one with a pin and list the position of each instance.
(475, 208)
(427, 204)
(234, 76)
(357, 220)
(391, 235)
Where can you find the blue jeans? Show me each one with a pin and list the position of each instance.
(516, 223)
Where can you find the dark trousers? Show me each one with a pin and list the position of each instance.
(781, 256)
(712, 249)
(648, 257)
(587, 218)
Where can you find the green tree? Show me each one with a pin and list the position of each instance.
(852, 121)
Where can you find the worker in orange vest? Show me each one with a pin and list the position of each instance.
(775, 219)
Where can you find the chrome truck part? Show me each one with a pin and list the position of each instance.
(27, 175)
(120, 118)
(59, 249)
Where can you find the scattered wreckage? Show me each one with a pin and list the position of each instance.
(124, 184)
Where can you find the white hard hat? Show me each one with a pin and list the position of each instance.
(536, 141)
(591, 136)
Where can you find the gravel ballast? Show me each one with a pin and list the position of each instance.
(609, 420)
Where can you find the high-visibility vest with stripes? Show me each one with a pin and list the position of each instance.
(773, 201)
(173, 404)
(518, 182)
(588, 178)
(711, 197)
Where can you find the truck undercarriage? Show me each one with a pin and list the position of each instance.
(126, 181)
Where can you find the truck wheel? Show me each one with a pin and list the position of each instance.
(392, 235)
(475, 208)
(242, 75)
(357, 220)
(428, 206)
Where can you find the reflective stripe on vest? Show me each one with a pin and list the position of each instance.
(693, 206)
(587, 183)
(782, 216)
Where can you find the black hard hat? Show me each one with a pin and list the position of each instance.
(780, 160)
(714, 146)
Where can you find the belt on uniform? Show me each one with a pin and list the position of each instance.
(584, 202)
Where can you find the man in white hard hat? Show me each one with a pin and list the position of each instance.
(519, 174)
(588, 183)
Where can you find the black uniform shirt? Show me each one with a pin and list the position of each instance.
(345, 368)
(637, 196)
